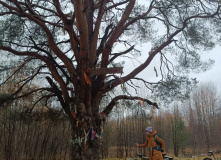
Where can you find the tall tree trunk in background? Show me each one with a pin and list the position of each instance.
(178, 130)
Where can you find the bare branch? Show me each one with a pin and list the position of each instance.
(116, 33)
(121, 53)
(169, 40)
(110, 106)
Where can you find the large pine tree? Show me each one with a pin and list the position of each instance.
(70, 43)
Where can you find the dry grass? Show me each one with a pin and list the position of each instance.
(199, 157)
(187, 155)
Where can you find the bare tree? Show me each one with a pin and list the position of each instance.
(71, 44)
(178, 130)
(205, 106)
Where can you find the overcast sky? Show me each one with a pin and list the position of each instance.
(212, 75)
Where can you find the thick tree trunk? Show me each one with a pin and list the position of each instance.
(92, 151)
(86, 134)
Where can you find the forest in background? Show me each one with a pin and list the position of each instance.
(188, 128)
(192, 127)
